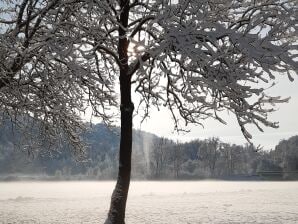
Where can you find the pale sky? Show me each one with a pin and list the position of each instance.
(160, 122)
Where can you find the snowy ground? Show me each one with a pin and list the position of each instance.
(151, 202)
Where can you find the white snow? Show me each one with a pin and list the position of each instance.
(151, 202)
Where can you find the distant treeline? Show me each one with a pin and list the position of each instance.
(153, 158)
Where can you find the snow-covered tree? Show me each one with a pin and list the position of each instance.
(44, 74)
(196, 58)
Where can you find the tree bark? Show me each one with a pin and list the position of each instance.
(116, 213)
(119, 197)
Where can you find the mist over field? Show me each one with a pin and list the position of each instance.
(151, 202)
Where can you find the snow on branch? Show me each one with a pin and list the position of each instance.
(196, 58)
(210, 56)
(49, 71)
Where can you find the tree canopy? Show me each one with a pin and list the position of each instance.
(196, 58)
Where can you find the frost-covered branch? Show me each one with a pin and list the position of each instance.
(48, 72)
(217, 55)
(196, 58)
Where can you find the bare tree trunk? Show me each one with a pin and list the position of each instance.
(119, 197)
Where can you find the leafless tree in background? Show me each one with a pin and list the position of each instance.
(176, 159)
(232, 157)
(197, 58)
(158, 157)
(209, 152)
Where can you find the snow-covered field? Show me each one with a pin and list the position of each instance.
(151, 202)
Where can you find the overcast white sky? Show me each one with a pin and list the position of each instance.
(160, 122)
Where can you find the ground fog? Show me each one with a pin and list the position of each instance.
(151, 202)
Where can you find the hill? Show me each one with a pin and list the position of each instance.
(153, 158)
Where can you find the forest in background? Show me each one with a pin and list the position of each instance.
(153, 158)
